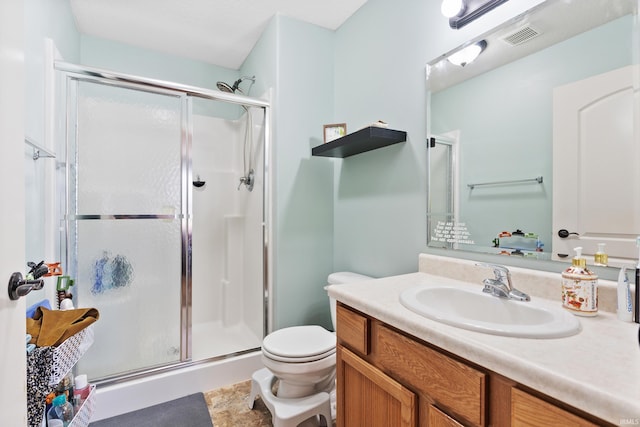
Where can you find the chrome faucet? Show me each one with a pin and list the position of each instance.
(501, 285)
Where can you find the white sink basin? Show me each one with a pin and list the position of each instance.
(478, 311)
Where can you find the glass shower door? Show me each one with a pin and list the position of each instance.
(126, 223)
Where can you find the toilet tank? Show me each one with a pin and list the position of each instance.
(341, 278)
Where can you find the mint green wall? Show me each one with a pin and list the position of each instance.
(297, 60)
(365, 213)
(262, 62)
(522, 146)
(45, 19)
(123, 58)
(380, 195)
(101, 53)
(380, 201)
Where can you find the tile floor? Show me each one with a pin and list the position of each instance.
(228, 407)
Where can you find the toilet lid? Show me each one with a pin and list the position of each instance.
(300, 342)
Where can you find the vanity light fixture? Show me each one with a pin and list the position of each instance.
(468, 54)
(462, 12)
(451, 8)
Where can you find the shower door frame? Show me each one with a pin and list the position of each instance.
(185, 93)
(451, 142)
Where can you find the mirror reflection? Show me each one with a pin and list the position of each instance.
(539, 134)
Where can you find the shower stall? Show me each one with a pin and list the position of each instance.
(159, 228)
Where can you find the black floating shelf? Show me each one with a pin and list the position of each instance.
(367, 139)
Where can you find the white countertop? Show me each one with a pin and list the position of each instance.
(597, 370)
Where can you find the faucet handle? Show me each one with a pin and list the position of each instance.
(500, 271)
(502, 280)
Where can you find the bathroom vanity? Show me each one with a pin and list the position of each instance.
(397, 368)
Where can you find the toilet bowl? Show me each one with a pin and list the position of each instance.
(303, 358)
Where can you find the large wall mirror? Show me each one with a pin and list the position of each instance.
(535, 146)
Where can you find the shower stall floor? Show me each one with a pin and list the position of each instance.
(213, 339)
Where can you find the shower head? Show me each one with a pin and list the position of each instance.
(225, 87)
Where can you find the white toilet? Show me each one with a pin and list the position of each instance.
(303, 358)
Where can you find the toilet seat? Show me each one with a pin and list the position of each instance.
(307, 359)
(299, 344)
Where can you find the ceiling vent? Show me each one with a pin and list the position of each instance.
(522, 35)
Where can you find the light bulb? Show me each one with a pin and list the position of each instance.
(451, 8)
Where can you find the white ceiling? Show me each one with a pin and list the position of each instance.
(220, 32)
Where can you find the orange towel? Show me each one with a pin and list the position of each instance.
(52, 327)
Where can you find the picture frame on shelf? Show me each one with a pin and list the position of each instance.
(334, 131)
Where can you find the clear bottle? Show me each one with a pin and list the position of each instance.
(61, 411)
(600, 257)
(580, 287)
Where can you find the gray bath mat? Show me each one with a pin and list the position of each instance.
(188, 411)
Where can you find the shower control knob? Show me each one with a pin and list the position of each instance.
(247, 180)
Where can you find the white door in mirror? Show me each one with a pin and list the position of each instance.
(595, 149)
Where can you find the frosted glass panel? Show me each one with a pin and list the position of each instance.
(130, 271)
(126, 159)
(128, 151)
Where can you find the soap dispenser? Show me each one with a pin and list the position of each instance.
(580, 287)
(600, 257)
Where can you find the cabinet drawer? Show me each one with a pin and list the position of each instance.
(528, 410)
(353, 330)
(453, 385)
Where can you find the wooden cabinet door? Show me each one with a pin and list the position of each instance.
(437, 418)
(369, 398)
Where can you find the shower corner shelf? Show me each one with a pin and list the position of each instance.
(367, 139)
